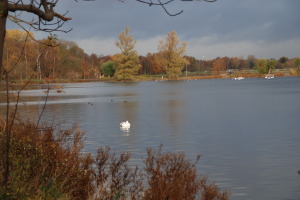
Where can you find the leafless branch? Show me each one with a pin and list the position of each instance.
(159, 3)
(44, 106)
(48, 20)
(47, 13)
(164, 3)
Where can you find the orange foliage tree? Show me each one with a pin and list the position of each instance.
(219, 65)
(155, 68)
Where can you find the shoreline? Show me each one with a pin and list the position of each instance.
(149, 78)
(156, 78)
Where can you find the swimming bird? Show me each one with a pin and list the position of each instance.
(125, 125)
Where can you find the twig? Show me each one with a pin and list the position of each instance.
(44, 106)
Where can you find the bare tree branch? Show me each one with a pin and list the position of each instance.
(48, 20)
(47, 14)
(163, 4)
(160, 3)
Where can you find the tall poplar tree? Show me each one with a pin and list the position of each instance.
(127, 63)
(170, 55)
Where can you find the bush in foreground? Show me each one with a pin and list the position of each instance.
(46, 164)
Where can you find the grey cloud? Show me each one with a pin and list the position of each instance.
(225, 21)
(230, 19)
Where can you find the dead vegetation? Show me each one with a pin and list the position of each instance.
(48, 164)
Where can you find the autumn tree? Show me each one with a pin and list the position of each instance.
(127, 63)
(94, 66)
(150, 65)
(19, 54)
(48, 57)
(194, 64)
(84, 68)
(219, 65)
(71, 60)
(57, 59)
(155, 68)
(170, 55)
(283, 60)
(261, 66)
(243, 63)
(234, 63)
(145, 65)
(297, 64)
(271, 63)
(251, 60)
(264, 66)
(25, 58)
(54, 59)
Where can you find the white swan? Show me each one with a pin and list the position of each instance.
(239, 78)
(269, 76)
(125, 125)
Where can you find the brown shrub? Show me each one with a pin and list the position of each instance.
(48, 164)
(209, 191)
(114, 178)
(171, 176)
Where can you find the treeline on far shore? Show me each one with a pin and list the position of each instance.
(63, 59)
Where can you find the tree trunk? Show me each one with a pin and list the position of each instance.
(38, 65)
(3, 17)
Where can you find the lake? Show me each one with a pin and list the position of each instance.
(247, 131)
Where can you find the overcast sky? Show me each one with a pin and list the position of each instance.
(234, 28)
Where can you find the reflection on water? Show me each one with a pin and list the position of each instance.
(126, 131)
(246, 131)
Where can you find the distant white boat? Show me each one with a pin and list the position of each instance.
(125, 125)
(269, 76)
(238, 78)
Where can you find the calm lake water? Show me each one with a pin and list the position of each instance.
(247, 131)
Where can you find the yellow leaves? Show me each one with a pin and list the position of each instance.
(127, 63)
(18, 35)
(126, 42)
(171, 44)
(119, 58)
(170, 56)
